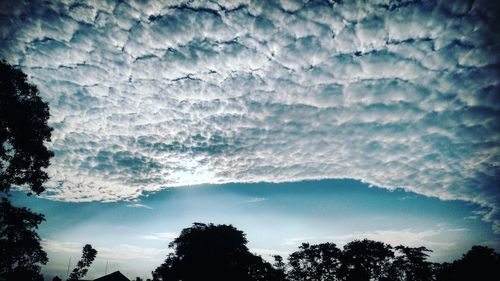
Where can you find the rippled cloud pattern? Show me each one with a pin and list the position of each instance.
(152, 94)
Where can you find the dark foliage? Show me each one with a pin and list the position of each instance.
(280, 267)
(213, 252)
(479, 263)
(56, 278)
(315, 262)
(23, 132)
(20, 251)
(371, 260)
(219, 252)
(411, 265)
(88, 256)
(366, 260)
(23, 158)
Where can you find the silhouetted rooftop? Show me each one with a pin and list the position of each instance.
(115, 276)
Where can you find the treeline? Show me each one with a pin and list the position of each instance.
(219, 252)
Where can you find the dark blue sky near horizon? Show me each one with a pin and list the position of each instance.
(280, 114)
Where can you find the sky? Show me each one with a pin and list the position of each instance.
(146, 96)
(133, 236)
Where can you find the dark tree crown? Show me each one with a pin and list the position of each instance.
(214, 252)
(23, 132)
(81, 269)
(20, 251)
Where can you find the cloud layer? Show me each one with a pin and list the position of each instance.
(145, 95)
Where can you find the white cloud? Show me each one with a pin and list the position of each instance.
(163, 236)
(138, 205)
(61, 247)
(145, 96)
(255, 200)
(122, 252)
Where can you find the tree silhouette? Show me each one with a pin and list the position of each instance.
(20, 249)
(315, 262)
(213, 252)
(56, 278)
(479, 263)
(364, 260)
(23, 158)
(372, 260)
(219, 252)
(411, 265)
(23, 132)
(88, 256)
(280, 267)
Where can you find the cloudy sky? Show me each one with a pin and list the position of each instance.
(150, 95)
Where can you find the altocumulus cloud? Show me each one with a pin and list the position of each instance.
(150, 94)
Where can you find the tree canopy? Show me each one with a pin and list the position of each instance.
(20, 249)
(219, 252)
(23, 132)
(23, 158)
(315, 262)
(366, 260)
(479, 263)
(213, 252)
(411, 264)
(88, 256)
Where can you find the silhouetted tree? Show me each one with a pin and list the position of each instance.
(479, 263)
(23, 157)
(138, 279)
(372, 260)
(213, 252)
(411, 265)
(23, 132)
(315, 262)
(278, 262)
(88, 256)
(56, 278)
(219, 252)
(260, 270)
(445, 272)
(280, 267)
(20, 249)
(364, 260)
